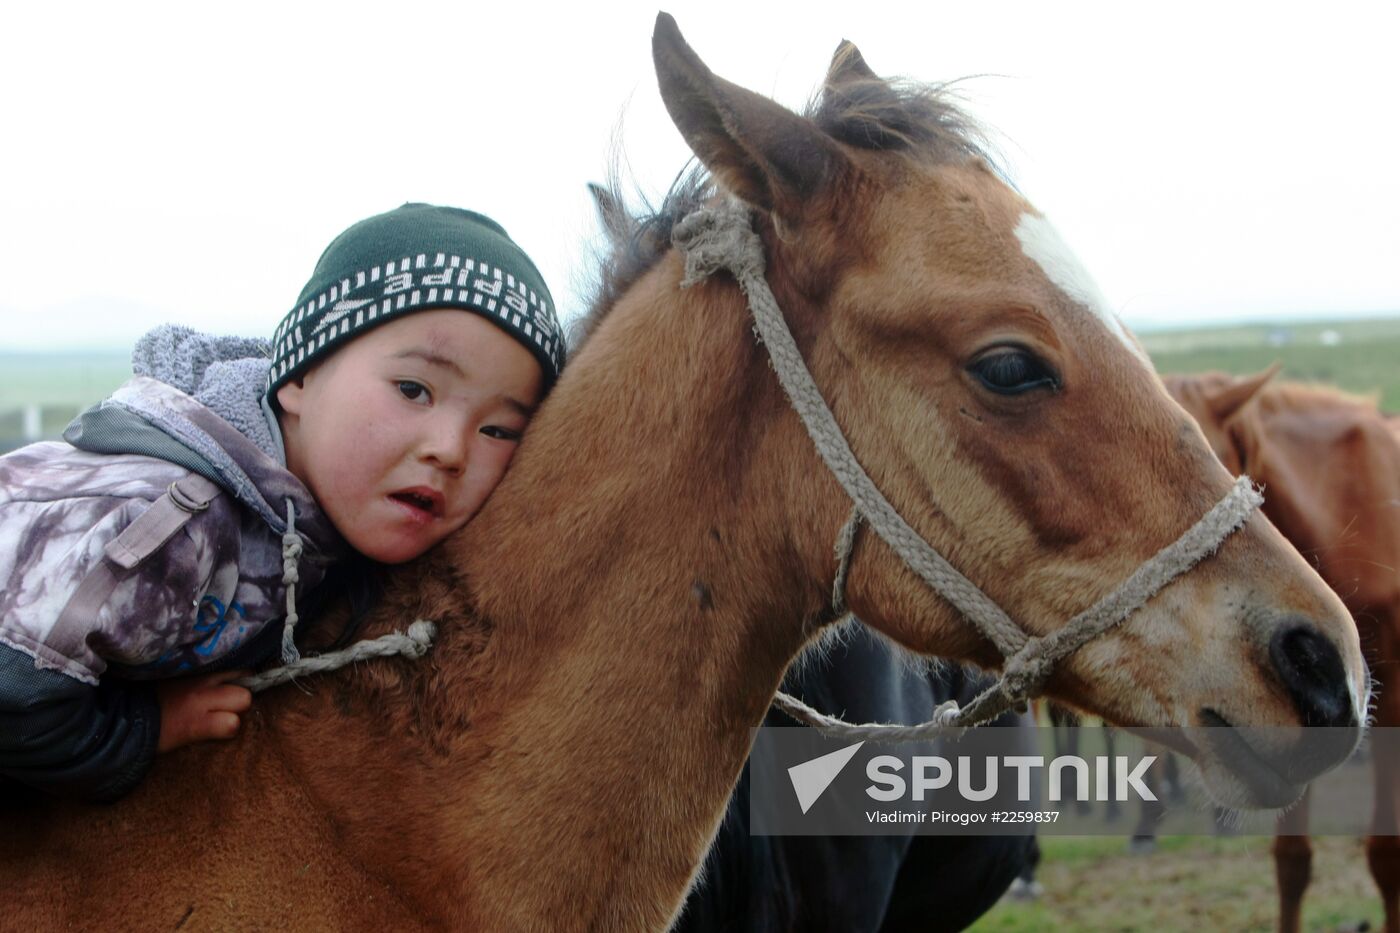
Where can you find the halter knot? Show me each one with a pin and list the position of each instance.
(718, 238)
(1025, 673)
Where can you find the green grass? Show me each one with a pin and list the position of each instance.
(1189, 883)
(61, 384)
(1365, 358)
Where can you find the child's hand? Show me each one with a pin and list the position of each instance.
(193, 709)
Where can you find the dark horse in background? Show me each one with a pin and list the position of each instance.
(855, 883)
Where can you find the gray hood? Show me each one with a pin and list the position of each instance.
(227, 374)
(197, 400)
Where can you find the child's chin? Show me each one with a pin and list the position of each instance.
(401, 535)
(386, 550)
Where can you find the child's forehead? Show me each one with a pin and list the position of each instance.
(466, 345)
(445, 331)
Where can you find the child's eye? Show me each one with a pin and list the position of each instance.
(500, 433)
(414, 391)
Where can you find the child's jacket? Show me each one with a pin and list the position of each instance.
(150, 544)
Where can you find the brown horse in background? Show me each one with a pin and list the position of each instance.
(618, 617)
(1330, 464)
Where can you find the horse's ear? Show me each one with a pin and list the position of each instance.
(867, 110)
(762, 152)
(612, 216)
(847, 66)
(1226, 402)
(603, 202)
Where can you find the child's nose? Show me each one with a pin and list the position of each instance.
(446, 446)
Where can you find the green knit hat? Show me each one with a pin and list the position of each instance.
(416, 258)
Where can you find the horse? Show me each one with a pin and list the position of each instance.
(858, 882)
(619, 615)
(875, 883)
(1331, 464)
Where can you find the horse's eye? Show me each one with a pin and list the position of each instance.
(1011, 371)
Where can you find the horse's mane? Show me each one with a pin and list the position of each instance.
(923, 122)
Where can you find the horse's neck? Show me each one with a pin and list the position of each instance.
(608, 772)
(1325, 471)
(654, 640)
(636, 575)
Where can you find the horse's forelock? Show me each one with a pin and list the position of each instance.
(921, 121)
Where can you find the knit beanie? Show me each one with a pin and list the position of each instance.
(417, 258)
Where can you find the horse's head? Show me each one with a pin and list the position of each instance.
(1007, 414)
(1218, 402)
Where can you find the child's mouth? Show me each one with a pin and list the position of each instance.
(422, 504)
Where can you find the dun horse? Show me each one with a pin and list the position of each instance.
(1331, 465)
(850, 883)
(619, 615)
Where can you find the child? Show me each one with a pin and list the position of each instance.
(152, 543)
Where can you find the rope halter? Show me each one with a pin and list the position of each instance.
(723, 237)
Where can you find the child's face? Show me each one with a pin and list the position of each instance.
(403, 432)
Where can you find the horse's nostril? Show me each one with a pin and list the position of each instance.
(1312, 670)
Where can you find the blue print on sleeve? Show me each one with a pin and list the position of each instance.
(217, 628)
(214, 620)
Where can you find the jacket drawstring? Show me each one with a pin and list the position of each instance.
(291, 553)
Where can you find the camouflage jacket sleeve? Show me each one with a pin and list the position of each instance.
(72, 739)
(96, 570)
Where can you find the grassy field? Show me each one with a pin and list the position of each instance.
(1094, 884)
(1359, 356)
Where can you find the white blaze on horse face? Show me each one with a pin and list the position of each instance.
(1043, 243)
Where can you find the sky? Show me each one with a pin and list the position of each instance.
(1210, 162)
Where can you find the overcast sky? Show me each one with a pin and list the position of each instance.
(188, 162)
